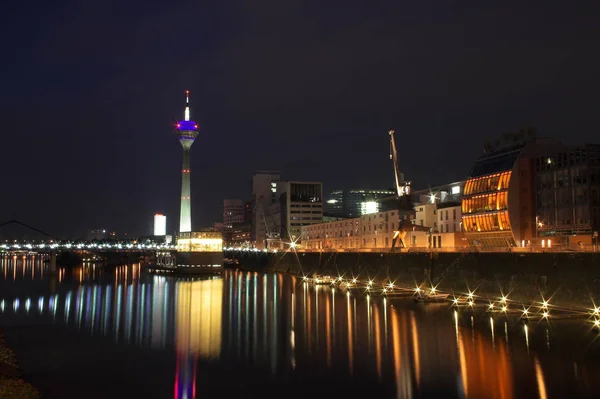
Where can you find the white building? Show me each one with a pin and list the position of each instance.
(449, 219)
(374, 231)
(160, 225)
(426, 215)
(445, 220)
(233, 212)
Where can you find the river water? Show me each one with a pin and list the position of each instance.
(120, 333)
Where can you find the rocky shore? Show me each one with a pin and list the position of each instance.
(12, 386)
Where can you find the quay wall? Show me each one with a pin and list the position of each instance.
(571, 279)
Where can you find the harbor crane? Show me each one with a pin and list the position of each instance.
(402, 191)
(402, 187)
(271, 230)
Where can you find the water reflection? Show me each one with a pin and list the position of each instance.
(280, 327)
(198, 325)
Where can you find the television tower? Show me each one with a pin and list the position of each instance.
(187, 131)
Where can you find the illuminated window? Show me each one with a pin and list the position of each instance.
(483, 184)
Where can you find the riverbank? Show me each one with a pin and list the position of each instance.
(570, 280)
(11, 385)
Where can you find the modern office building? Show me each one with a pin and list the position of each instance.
(499, 200)
(233, 212)
(160, 225)
(301, 204)
(355, 202)
(568, 192)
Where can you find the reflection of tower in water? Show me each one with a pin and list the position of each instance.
(198, 326)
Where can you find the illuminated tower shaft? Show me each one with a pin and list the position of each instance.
(185, 219)
(187, 132)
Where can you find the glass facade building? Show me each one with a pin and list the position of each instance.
(513, 189)
(355, 202)
(496, 202)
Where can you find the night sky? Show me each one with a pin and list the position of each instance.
(90, 91)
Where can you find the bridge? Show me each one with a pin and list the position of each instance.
(52, 244)
(80, 246)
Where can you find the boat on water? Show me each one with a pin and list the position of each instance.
(187, 263)
(230, 263)
(67, 259)
(431, 297)
(319, 280)
(197, 253)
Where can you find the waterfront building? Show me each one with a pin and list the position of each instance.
(568, 195)
(355, 202)
(527, 191)
(372, 231)
(445, 221)
(160, 225)
(352, 233)
(238, 236)
(503, 172)
(233, 211)
(436, 224)
(449, 217)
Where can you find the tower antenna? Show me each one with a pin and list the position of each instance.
(187, 106)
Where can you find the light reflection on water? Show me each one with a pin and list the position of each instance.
(282, 327)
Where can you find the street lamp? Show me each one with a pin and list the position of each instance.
(538, 225)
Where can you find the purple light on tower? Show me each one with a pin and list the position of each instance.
(187, 131)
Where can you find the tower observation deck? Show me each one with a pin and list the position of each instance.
(187, 131)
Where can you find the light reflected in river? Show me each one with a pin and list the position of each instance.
(287, 330)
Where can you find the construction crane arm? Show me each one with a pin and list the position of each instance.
(402, 187)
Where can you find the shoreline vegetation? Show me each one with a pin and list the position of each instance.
(12, 386)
